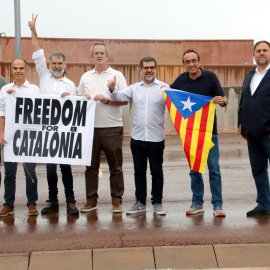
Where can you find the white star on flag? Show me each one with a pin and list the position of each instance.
(187, 104)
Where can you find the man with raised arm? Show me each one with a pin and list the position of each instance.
(19, 69)
(147, 138)
(108, 132)
(54, 81)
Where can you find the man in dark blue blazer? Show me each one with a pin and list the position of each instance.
(254, 123)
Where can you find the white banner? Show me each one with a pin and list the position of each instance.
(49, 129)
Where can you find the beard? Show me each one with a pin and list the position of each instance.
(149, 80)
(57, 72)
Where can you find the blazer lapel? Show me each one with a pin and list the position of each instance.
(265, 79)
(249, 80)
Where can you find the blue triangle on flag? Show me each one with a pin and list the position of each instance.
(187, 103)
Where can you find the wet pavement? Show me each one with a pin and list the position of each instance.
(103, 229)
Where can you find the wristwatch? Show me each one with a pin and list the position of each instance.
(224, 103)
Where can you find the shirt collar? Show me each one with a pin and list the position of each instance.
(154, 82)
(201, 76)
(108, 70)
(267, 68)
(26, 84)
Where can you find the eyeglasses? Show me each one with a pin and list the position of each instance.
(151, 68)
(193, 61)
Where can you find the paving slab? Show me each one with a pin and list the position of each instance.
(61, 260)
(252, 255)
(14, 261)
(123, 259)
(185, 257)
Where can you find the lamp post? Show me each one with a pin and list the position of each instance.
(17, 28)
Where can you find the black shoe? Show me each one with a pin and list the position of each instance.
(52, 206)
(257, 212)
(71, 208)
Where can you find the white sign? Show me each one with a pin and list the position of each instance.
(49, 129)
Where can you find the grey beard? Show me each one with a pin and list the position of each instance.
(149, 80)
(57, 73)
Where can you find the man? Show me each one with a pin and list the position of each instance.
(198, 81)
(19, 69)
(54, 82)
(108, 132)
(254, 123)
(147, 138)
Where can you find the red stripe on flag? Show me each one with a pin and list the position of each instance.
(177, 121)
(168, 102)
(203, 125)
(189, 131)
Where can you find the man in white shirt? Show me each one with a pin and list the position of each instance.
(108, 132)
(254, 123)
(147, 137)
(19, 69)
(53, 81)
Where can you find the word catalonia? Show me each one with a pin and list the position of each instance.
(58, 123)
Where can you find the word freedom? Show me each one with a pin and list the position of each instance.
(50, 115)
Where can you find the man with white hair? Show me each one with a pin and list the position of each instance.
(53, 81)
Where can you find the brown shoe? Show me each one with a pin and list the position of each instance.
(32, 210)
(7, 210)
(88, 207)
(117, 208)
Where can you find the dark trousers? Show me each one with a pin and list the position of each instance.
(52, 179)
(10, 183)
(110, 141)
(259, 156)
(142, 150)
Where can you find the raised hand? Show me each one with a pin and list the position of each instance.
(32, 24)
(111, 84)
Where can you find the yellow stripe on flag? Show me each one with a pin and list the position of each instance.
(183, 129)
(208, 144)
(164, 94)
(195, 135)
(173, 112)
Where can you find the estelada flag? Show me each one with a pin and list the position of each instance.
(193, 118)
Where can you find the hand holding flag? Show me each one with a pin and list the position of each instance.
(193, 119)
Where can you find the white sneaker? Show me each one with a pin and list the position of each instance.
(194, 209)
(136, 208)
(219, 212)
(158, 209)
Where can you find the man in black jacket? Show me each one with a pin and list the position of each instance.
(254, 123)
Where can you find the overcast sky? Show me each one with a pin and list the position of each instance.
(141, 19)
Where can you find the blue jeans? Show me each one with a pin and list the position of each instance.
(52, 180)
(197, 185)
(142, 150)
(10, 183)
(259, 154)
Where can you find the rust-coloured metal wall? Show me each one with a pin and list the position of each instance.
(226, 58)
(229, 75)
(123, 51)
